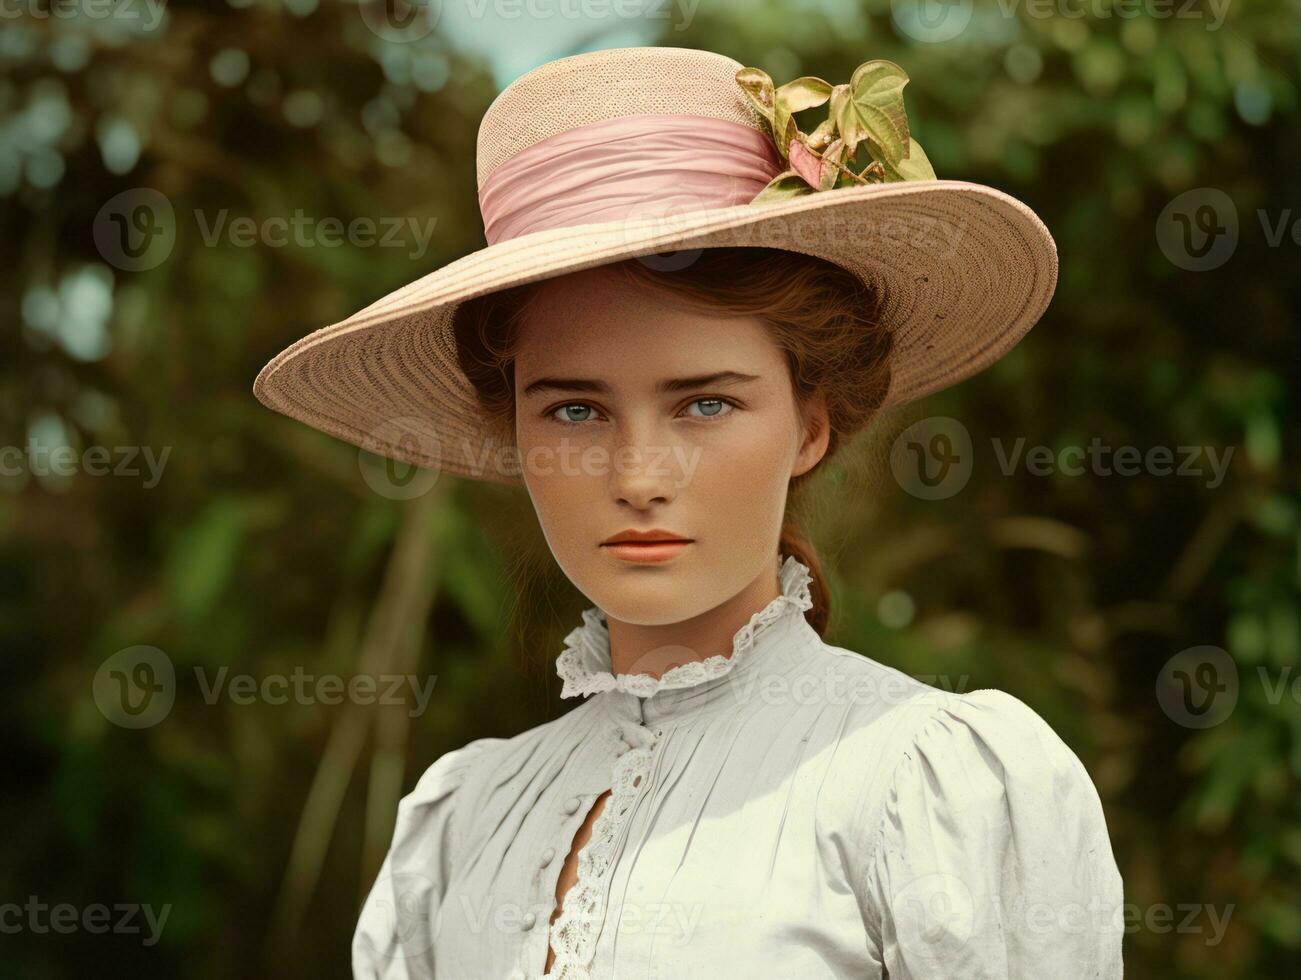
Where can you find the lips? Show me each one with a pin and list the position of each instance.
(653, 536)
(655, 545)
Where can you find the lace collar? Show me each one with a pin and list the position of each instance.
(584, 664)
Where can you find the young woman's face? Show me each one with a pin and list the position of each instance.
(632, 413)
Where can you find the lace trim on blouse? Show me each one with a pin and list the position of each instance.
(584, 664)
(584, 667)
(574, 936)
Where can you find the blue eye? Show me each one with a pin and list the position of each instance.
(571, 408)
(716, 407)
(573, 413)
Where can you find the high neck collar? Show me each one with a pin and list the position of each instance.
(584, 664)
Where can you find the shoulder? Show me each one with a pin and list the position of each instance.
(990, 721)
(425, 813)
(435, 820)
(879, 712)
(906, 725)
(983, 750)
(971, 766)
(465, 778)
(987, 813)
(873, 696)
(1032, 757)
(433, 830)
(867, 679)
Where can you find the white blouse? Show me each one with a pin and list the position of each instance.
(793, 810)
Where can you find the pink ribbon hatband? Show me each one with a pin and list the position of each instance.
(641, 166)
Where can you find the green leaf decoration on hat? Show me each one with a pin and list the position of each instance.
(867, 113)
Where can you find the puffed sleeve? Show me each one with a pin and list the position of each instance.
(393, 939)
(991, 856)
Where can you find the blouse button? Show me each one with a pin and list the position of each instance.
(571, 805)
(529, 919)
(547, 855)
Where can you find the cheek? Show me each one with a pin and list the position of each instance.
(745, 469)
(563, 484)
(560, 497)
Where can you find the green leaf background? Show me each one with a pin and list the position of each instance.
(262, 548)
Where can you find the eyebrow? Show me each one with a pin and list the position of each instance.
(665, 386)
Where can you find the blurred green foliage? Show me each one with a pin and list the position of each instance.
(262, 549)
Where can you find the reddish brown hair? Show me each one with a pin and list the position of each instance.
(822, 316)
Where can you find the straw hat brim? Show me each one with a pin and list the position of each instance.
(963, 271)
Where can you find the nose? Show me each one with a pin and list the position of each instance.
(641, 473)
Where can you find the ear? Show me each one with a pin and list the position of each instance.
(816, 434)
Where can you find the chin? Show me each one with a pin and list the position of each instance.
(649, 595)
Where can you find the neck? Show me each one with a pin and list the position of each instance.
(637, 649)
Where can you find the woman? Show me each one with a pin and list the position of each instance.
(735, 797)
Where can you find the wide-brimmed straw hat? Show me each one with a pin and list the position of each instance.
(630, 152)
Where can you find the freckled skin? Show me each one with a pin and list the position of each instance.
(635, 457)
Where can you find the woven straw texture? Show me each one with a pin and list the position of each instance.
(586, 88)
(963, 271)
